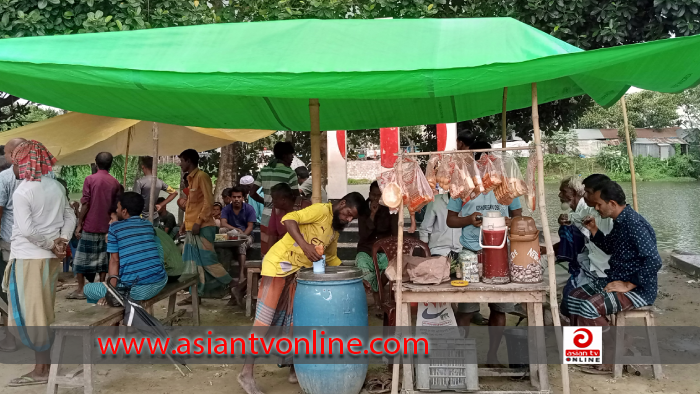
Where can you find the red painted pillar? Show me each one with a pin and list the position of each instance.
(441, 136)
(388, 145)
(446, 137)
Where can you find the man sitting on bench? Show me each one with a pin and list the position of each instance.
(634, 264)
(135, 255)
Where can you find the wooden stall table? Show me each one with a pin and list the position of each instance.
(532, 295)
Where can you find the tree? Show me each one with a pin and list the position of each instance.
(562, 142)
(690, 107)
(645, 109)
(30, 114)
(228, 169)
(49, 17)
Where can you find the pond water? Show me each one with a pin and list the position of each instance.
(671, 208)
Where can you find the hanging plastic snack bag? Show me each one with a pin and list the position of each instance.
(465, 179)
(515, 177)
(391, 191)
(490, 173)
(467, 168)
(476, 176)
(417, 191)
(444, 171)
(431, 171)
(531, 185)
(458, 186)
(505, 192)
(458, 182)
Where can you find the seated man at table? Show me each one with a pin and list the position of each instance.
(467, 216)
(239, 217)
(134, 254)
(632, 279)
(376, 224)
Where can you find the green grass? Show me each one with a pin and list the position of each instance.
(75, 175)
(360, 181)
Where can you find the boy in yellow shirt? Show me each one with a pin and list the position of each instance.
(318, 225)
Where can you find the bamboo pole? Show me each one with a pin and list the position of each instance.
(154, 172)
(551, 263)
(126, 157)
(399, 278)
(503, 117)
(630, 154)
(314, 112)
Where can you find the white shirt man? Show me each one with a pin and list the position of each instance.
(43, 224)
(434, 231)
(41, 215)
(593, 261)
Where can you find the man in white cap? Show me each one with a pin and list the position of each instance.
(247, 183)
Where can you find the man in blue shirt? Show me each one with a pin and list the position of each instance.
(468, 218)
(632, 279)
(240, 217)
(135, 255)
(634, 261)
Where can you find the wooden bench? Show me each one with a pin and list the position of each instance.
(81, 323)
(251, 292)
(170, 291)
(646, 313)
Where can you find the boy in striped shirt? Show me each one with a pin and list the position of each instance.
(135, 255)
(276, 172)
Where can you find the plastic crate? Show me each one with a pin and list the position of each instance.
(452, 366)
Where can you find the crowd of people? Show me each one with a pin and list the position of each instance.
(609, 249)
(108, 234)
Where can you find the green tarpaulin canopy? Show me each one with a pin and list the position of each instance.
(366, 73)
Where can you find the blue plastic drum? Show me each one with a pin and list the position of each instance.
(335, 298)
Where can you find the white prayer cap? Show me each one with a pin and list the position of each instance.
(247, 180)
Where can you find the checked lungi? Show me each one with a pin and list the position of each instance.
(31, 290)
(590, 304)
(95, 291)
(276, 301)
(365, 262)
(199, 257)
(91, 255)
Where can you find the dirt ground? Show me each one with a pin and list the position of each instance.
(205, 379)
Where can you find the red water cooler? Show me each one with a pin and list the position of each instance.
(492, 239)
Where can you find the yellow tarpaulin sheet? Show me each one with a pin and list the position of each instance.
(76, 138)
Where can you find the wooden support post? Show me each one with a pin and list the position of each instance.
(503, 118)
(154, 172)
(399, 268)
(180, 212)
(314, 112)
(630, 154)
(551, 263)
(126, 156)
